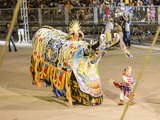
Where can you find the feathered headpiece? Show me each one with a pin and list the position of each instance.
(75, 31)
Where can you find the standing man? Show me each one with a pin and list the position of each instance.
(20, 31)
(109, 30)
(11, 39)
(127, 31)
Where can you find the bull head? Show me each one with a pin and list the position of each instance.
(101, 45)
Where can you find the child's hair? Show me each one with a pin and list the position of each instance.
(128, 68)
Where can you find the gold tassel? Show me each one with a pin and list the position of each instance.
(51, 74)
(37, 81)
(68, 89)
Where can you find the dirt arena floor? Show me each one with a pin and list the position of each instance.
(20, 100)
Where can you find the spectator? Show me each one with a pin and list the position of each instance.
(109, 30)
(20, 31)
(11, 39)
(68, 5)
(127, 2)
(119, 12)
(101, 12)
(151, 13)
(76, 3)
(106, 11)
(127, 31)
(121, 3)
(147, 2)
(134, 3)
(89, 15)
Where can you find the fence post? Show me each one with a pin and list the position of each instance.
(158, 14)
(66, 16)
(40, 16)
(95, 15)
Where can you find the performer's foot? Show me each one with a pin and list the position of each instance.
(38, 83)
(121, 102)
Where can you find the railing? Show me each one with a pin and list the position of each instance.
(5, 15)
(91, 18)
(60, 16)
(86, 15)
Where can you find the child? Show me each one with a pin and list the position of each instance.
(126, 86)
(151, 13)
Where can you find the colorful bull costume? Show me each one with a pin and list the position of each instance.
(68, 64)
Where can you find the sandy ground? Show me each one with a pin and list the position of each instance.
(20, 100)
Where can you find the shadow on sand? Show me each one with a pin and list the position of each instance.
(60, 100)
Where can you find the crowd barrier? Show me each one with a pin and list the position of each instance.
(88, 16)
(85, 15)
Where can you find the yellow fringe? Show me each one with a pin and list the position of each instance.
(68, 89)
(51, 74)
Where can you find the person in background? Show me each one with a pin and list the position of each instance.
(106, 11)
(127, 2)
(109, 29)
(121, 4)
(11, 39)
(151, 13)
(118, 29)
(20, 31)
(127, 31)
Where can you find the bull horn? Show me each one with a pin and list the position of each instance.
(82, 34)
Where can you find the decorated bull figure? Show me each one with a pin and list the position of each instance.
(69, 64)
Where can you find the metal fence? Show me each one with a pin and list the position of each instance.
(91, 18)
(60, 16)
(86, 15)
(5, 15)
